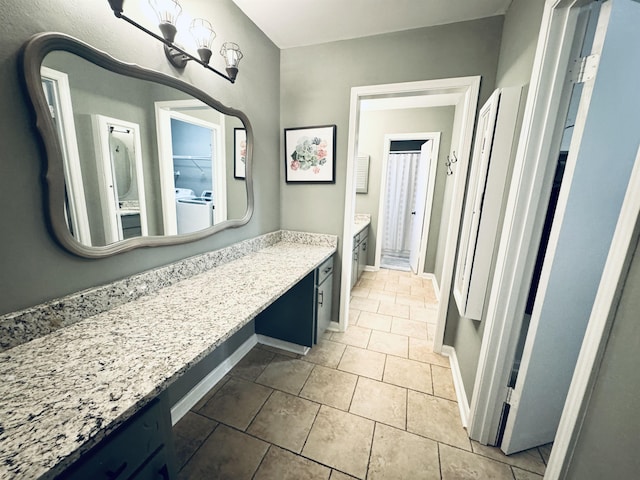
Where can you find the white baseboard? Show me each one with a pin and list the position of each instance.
(194, 395)
(282, 345)
(434, 282)
(463, 403)
(371, 268)
(334, 327)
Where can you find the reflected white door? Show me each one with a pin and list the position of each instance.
(116, 140)
(418, 214)
(599, 165)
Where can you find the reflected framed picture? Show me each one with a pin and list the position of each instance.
(239, 153)
(310, 154)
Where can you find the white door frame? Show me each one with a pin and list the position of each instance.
(464, 93)
(111, 215)
(72, 170)
(434, 137)
(174, 109)
(546, 107)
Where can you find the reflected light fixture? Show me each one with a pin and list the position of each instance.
(168, 12)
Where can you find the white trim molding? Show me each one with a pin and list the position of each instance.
(434, 282)
(194, 395)
(461, 395)
(283, 345)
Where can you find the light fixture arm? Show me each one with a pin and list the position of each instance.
(171, 49)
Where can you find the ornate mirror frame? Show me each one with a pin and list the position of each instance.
(33, 53)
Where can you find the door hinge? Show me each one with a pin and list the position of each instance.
(584, 68)
(509, 395)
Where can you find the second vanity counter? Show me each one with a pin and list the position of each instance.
(360, 222)
(63, 392)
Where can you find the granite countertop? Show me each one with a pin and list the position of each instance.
(360, 222)
(64, 392)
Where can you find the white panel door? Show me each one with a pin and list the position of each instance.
(417, 215)
(602, 153)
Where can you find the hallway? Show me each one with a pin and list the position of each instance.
(374, 402)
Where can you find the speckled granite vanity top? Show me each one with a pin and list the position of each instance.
(360, 222)
(63, 392)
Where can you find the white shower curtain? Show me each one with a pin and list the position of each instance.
(399, 202)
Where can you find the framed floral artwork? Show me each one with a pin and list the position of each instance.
(239, 152)
(310, 154)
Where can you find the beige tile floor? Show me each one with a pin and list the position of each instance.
(373, 402)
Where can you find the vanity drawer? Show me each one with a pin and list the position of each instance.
(356, 240)
(125, 450)
(324, 270)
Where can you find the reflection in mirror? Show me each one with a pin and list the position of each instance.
(143, 156)
(120, 180)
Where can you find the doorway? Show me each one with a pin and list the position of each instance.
(120, 179)
(401, 196)
(461, 92)
(192, 173)
(58, 94)
(407, 191)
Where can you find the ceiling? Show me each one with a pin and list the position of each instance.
(295, 23)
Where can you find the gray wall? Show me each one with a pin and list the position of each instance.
(374, 125)
(611, 426)
(316, 84)
(35, 268)
(517, 49)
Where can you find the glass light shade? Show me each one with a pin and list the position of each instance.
(202, 33)
(231, 53)
(167, 11)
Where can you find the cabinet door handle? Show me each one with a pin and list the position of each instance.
(320, 297)
(164, 472)
(327, 270)
(364, 247)
(112, 474)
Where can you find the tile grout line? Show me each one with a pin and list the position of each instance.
(373, 436)
(182, 467)
(376, 423)
(262, 460)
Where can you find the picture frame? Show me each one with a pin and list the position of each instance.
(310, 154)
(239, 153)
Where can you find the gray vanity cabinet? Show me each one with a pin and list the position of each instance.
(140, 449)
(354, 260)
(324, 296)
(359, 255)
(362, 251)
(293, 317)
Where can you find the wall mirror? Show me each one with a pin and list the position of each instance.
(134, 157)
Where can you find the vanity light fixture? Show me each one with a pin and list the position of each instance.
(168, 12)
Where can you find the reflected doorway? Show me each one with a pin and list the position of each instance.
(192, 166)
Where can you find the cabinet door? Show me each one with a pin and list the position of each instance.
(324, 301)
(124, 451)
(354, 266)
(488, 182)
(156, 469)
(362, 255)
(291, 317)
